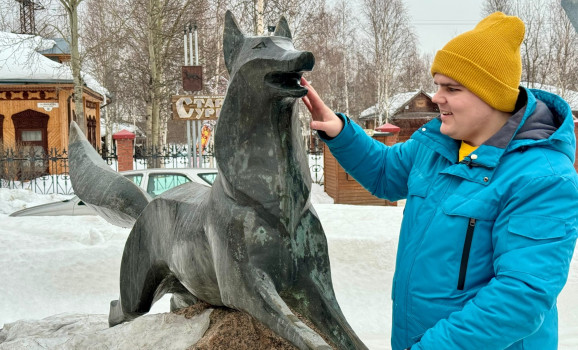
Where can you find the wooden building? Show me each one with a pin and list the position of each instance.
(36, 95)
(343, 188)
(408, 110)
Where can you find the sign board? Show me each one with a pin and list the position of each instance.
(47, 105)
(192, 78)
(197, 107)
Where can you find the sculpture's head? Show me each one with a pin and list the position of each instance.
(268, 63)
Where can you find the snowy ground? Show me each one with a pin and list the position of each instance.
(52, 265)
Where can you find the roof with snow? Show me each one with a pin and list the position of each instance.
(116, 127)
(395, 103)
(22, 61)
(570, 96)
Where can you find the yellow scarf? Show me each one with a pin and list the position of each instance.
(465, 150)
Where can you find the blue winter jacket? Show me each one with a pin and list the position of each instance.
(485, 243)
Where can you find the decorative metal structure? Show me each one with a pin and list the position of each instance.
(27, 18)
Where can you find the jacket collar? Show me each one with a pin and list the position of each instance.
(528, 126)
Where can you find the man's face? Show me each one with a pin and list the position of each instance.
(464, 115)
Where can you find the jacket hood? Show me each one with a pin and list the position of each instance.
(541, 119)
(545, 119)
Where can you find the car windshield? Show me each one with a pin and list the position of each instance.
(159, 183)
(136, 178)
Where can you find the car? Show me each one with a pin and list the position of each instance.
(153, 181)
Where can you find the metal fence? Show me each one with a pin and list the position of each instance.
(316, 165)
(35, 170)
(47, 172)
(173, 156)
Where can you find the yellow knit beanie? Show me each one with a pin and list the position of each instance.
(486, 60)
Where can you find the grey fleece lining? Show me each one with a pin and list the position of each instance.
(541, 124)
(502, 138)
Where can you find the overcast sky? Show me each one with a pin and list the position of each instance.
(438, 21)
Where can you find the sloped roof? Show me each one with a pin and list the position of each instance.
(116, 127)
(60, 47)
(396, 102)
(21, 61)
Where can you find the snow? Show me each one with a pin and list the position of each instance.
(20, 60)
(54, 265)
(570, 96)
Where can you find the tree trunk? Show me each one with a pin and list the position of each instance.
(154, 28)
(71, 7)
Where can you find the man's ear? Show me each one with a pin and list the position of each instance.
(232, 40)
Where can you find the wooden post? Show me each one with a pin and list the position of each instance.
(124, 149)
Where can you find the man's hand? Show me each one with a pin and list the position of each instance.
(323, 117)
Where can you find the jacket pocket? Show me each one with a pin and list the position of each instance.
(536, 228)
(532, 231)
(456, 205)
(418, 184)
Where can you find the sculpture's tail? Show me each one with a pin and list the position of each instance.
(114, 197)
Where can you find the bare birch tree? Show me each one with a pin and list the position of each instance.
(392, 41)
(549, 47)
(564, 41)
(71, 7)
(491, 6)
(103, 38)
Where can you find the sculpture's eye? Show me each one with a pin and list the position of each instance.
(260, 45)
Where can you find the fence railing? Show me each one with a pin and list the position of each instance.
(316, 166)
(47, 172)
(173, 156)
(41, 172)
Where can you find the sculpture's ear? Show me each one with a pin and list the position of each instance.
(282, 28)
(232, 40)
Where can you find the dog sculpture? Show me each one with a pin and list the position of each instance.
(252, 242)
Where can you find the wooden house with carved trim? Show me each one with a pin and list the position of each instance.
(341, 186)
(36, 94)
(408, 111)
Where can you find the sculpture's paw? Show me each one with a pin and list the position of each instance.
(115, 316)
(180, 301)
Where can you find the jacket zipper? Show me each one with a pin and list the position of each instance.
(466, 253)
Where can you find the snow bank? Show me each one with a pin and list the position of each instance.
(54, 265)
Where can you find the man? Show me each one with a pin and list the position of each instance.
(490, 221)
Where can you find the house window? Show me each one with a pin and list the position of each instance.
(91, 130)
(30, 128)
(31, 135)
